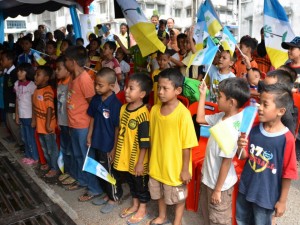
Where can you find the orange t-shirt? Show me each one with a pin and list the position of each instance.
(43, 99)
(240, 67)
(81, 88)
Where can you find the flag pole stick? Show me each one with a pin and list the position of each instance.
(87, 154)
(86, 67)
(209, 66)
(240, 50)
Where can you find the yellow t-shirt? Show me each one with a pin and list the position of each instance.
(133, 135)
(155, 84)
(169, 135)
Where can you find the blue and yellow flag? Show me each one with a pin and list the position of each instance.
(211, 18)
(143, 31)
(277, 29)
(228, 41)
(38, 58)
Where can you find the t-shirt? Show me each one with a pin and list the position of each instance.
(133, 135)
(106, 118)
(214, 157)
(140, 62)
(155, 86)
(24, 92)
(81, 88)
(26, 58)
(62, 95)
(43, 98)
(240, 67)
(169, 136)
(9, 95)
(272, 157)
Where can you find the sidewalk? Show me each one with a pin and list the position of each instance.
(88, 214)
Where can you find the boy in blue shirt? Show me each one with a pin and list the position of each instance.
(104, 111)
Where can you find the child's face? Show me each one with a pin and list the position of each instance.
(94, 46)
(79, 43)
(162, 27)
(245, 50)
(224, 60)
(187, 44)
(64, 46)
(267, 111)
(166, 90)
(26, 45)
(102, 87)
(253, 78)
(163, 61)
(40, 79)
(69, 64)
(119, 54)
(61, 71)
(50, 49)
(21, 75)
(223, 102)
(107, 51)
(181, 43)
(133, 92)
(294, 53)
(5, 62)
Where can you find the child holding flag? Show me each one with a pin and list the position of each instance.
(271, 160)
(218, 173)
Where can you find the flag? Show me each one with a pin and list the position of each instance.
(228, 41)
(143, 31)
(226, 132)
(37, 57)
(210, 42)
(205, 56)
(211, 18)
(92, 166)
(60, 162)
(277, 29)
(200, 30)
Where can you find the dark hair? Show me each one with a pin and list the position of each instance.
(145, 82)
(256, 70)
(236, 88)
(166, 52)
(48, 34)
(290, 70)
(48, 71)
(26, 38)
(283, 77)
(124, 24)
(68, 41)
(181, 36)
(233, 57)
(108, 73)
(155, 16)
(80, 39)
(77, 53)
(96, 40)
(249, 42)
(163, 22)
(112, 45)
(61, 58)
(92, 36)
(10, 55)
(173, 75)
(171, 19)
(53, 43)
(283, 95)
(28, 68)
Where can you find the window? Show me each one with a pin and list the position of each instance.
(149, 6)
(16, 24)
(189, 12)
(161, 9)
(102, 7)
(177, 12)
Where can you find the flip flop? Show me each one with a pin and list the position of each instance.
(73, 187)
(163, 223)
(63, 176)
(139, 219)
(87, 197)
(125, 213)
(70, 180)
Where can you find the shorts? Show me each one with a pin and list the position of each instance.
(171, 194)
(216, 214)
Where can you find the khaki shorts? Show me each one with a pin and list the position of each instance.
(171, 194)
(216, 214)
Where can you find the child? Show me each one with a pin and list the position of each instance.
(65, 44)
(64, 79)
(271, 160)
(24, 89)
(27, 55)
(253, 80)
(51, 51)
(80, 92)
(125, 67)
(245, 63)
(110, 61)
(79, 42)
(94, 55)
(218, 173)
(104, 111)
(133, 144)
(293, 48)
(44, 119)
(9, 95)
(172, 136)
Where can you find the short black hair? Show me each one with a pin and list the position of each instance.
(96, 40)
(68, 41)
(144, 80)
(77, 53)
(112, 45)
(166, 52)
(290, 70)
(60, 58)
(80, 39)
(236, 88)
(27, 38)
(254, 69)
(181, 36)
(249, 42)
(163, 22)
(174, 75)
(53, 43)
(283, 95)
(108, 73)
(48, 71)
(10, 55)
(28, 68)
(282, 76)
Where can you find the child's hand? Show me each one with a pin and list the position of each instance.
(17, 119)
(216, 197)
(191, 33)
(242, 142)
(111, 156)
(185, 176)
(280, 208)
(202, 88)
(116, 38)
(88, 140)
(139, 169)
(246, 60)
(49, 129)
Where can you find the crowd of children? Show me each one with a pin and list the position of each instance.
(139, 131)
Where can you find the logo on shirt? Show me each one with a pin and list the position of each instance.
(106, 113)
(40, 97)
(132, 124)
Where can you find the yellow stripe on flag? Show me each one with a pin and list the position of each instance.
(214, 27)
(277, 57)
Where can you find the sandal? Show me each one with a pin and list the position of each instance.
(125, 213)
(87, 197)
(137, 219)
(73, 187)
(70, 180)
(63, 176)
(163, 223)
(51, 173)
